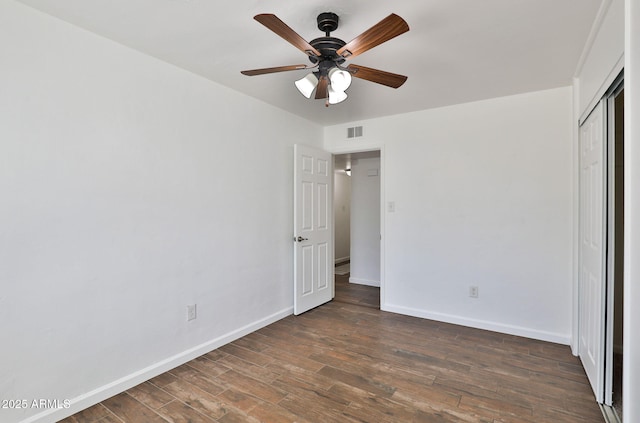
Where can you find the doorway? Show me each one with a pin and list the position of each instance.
(357, 238)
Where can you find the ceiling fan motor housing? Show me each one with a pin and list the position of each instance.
(327, 46)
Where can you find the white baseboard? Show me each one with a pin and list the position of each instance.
(342, 260)
(364, 282)
(480, 324)
(107, 391)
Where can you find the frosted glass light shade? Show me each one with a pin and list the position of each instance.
(307, 84)
(340, 80)
(336, 96)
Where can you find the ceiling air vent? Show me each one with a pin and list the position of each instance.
(354, 132)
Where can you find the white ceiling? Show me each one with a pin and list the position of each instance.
(456, 51)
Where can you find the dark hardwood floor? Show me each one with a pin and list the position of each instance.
(351, 293)
(347, 361)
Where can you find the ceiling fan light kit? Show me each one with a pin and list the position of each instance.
(307, 84)
(340, 80)
(330, 79)
(336, 96)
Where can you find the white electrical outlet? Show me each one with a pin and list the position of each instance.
(473, 291)
(191, 312)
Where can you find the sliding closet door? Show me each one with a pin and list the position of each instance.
(592, 248)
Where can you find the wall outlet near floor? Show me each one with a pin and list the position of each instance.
(473, 291)
(191, 312)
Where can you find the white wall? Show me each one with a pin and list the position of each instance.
(129, 188)
(603, 58)
(482, 193)
(342, 215)
(631, 378)
(365, 222)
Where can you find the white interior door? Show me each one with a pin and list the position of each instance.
(592, 249)
(313, 228)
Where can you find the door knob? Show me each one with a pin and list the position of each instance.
(300, 239)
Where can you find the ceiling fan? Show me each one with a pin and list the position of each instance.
(327, 54)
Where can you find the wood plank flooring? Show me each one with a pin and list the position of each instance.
(352, 293)
(343, 362)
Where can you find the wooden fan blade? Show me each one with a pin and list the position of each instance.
(321, 89)
(388, 28)
(389, 79)
(263, 71)
(283, 30)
